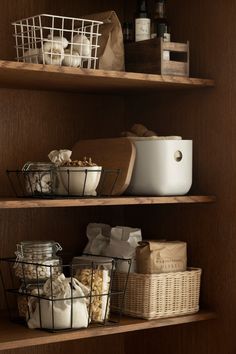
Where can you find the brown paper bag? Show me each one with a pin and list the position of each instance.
(161, 257)
(111, 50)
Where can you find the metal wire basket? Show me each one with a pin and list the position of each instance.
(57, 40)
(80, 296)
(63, 182)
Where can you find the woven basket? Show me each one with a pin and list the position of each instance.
(152, 296)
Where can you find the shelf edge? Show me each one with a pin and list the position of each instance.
(35, 76)
(134, 325)
(27, 203)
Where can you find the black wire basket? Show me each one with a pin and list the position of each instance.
(64, 182)
(70, 297)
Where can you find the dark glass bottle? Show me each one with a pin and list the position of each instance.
(160, 24)
(142, 22)
(142, 11)
(127, 32)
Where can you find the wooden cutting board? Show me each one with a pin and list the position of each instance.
(111, 154)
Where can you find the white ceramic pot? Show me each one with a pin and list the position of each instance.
(80, 181)
(162, 167)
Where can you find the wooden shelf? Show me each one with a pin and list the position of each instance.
(14, 336)
(20, 203)
(50, 77)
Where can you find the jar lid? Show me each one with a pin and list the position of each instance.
(35, 166)
(93, 261)
(38, 246)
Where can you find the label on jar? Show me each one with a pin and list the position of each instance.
(142, 29)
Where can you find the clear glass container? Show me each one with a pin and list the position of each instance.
(40, 178)
(24, 293)
(37, 261)
(95, 273)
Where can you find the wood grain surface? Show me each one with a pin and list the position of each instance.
(51, 77)
(14, 336)
(34, 122)
(20, 203)
(148, 57)
(111, 154)
(209, 119)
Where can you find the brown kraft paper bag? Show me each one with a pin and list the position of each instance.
(111, 50)
(155, 257)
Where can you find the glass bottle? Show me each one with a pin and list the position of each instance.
(160, 24)
(142, 22)
(127, 32)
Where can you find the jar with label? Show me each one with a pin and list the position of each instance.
(40, 178)
(95, 273)
(36, 261)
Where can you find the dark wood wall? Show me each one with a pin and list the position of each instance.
(32, 123)
(207, 117)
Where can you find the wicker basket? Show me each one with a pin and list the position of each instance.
(152, 296)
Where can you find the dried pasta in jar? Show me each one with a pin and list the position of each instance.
(95, 273)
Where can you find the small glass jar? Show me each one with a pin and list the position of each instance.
(40, 178)
(24, 293)
(95, 273)
(37, 261)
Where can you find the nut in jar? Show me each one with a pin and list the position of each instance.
(23, 298)
(37, 261)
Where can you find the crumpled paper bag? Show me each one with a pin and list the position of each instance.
(111, 51)
(98, 238)
(123, 243)
(161, 257)
(118, 242)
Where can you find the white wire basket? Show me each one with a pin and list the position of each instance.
(57, 40)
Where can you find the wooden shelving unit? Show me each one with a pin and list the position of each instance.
(50, 77)
(13, 336)
(20, 203)
(32, 122)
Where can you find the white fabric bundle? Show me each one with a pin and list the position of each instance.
(66, 313)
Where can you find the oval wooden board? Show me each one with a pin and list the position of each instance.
(117, 153)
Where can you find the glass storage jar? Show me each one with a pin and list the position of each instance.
(37, 261)
(24, 293)
(95, 273)
(40, 178)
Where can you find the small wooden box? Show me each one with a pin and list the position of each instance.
(149, 57)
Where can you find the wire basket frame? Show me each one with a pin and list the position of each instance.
(28, 302)
(57, 40)
(63, 182)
